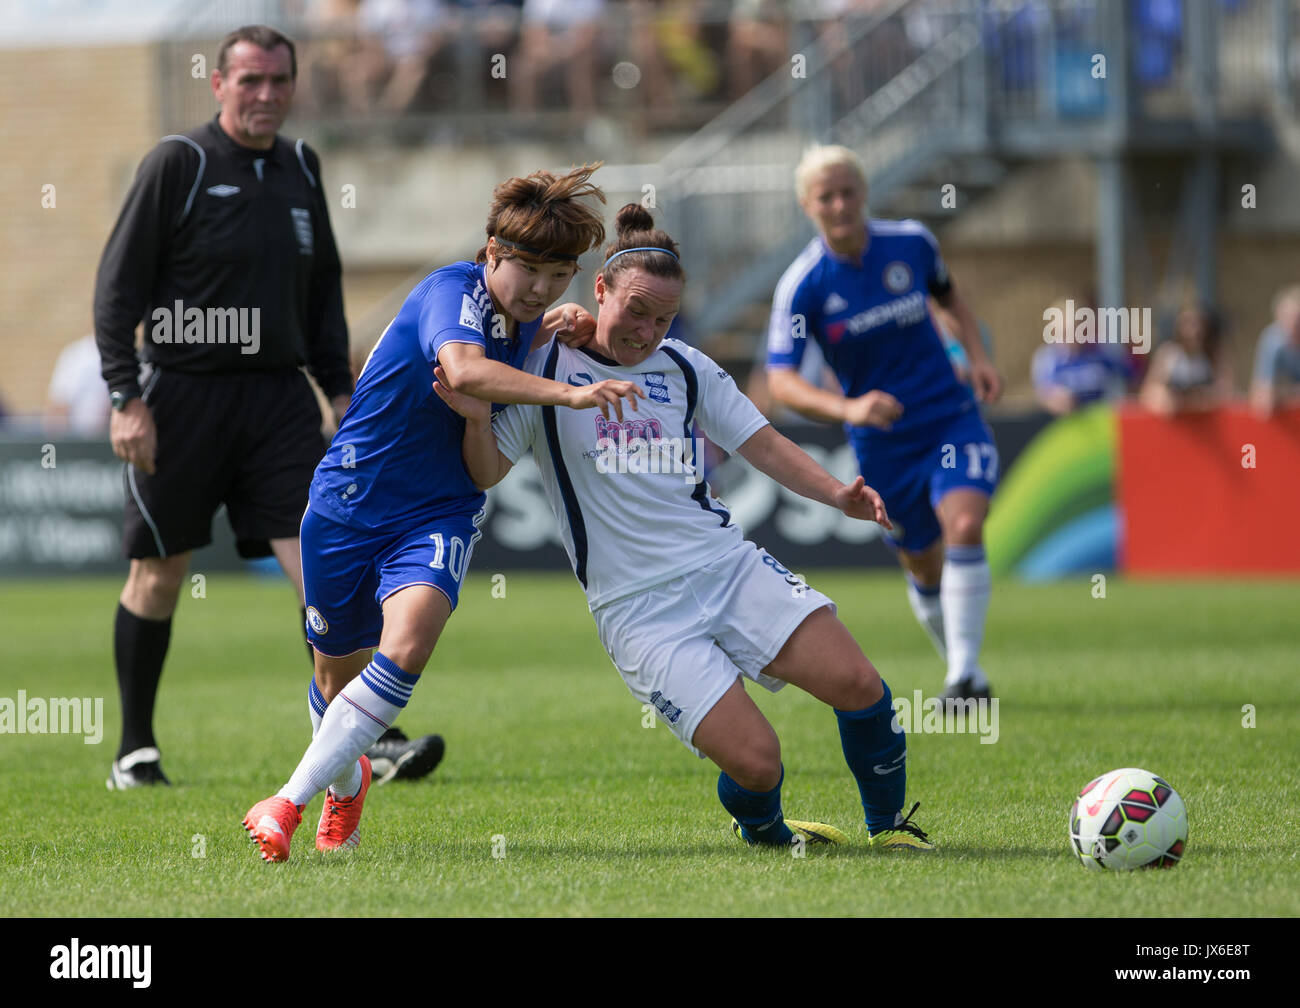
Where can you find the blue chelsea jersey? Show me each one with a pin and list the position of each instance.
(397, 455)
(872, 323)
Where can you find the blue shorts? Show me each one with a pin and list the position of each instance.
(912, 475)
(347, 573)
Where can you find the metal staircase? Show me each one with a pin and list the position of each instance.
(962, 93)
(727, 192)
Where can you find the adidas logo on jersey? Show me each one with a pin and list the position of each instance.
(834, 304)
(222, 190)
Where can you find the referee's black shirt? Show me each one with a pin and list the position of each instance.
(217, 226)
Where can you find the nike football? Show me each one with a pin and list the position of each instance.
(1128, 819)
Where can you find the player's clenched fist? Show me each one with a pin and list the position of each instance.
(576, 325)
(875, 409)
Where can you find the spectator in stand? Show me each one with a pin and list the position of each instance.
(1276, 379)
(757, 43)
(1069, 375)
(490, 23)
(400, 39)
(681, 35)
(557, 32)
(1158, 30)
(77, 402)
(332, 47)
(1191, 371)
(862, 66)
(646, 20)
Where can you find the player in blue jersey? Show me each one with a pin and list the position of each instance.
(860, 290)
(393, 516)
(686, 608)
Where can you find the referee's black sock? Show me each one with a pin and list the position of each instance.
(139, 648)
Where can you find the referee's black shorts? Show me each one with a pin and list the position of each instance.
(249, 440)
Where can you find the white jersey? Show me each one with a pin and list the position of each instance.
(632, 508)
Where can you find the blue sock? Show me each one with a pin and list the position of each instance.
(872, 745)
(316, 706)
(759, 813)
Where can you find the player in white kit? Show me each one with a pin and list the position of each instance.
(685, 606)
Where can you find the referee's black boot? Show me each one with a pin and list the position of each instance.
(137, 769)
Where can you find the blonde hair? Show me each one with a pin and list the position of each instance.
(818, 158)
(1286, 297)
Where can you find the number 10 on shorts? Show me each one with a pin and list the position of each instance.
(451, 559)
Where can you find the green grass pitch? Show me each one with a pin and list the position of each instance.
(554, 799)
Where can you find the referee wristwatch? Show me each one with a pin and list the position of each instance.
(118, 400)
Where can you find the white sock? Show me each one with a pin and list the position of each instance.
(964, 594)
(347, 785)
(928, 609)
(361, 712)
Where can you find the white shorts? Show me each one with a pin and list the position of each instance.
(680, 645)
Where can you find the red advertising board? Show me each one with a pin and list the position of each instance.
(1208, 493)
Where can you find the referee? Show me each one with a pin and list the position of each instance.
(224, 252)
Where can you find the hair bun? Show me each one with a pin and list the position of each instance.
(633, 217)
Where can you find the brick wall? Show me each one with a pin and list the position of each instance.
(78, 119)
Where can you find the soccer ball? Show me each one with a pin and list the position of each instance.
(1128, 819)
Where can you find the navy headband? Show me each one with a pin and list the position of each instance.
(527, 250)
(640, 249)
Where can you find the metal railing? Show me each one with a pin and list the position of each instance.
(889, 85)
(1006, 78)
(909, 84)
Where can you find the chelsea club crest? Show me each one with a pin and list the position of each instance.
(897, 278)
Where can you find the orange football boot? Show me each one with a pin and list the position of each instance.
(340, 818)
(270, 824)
